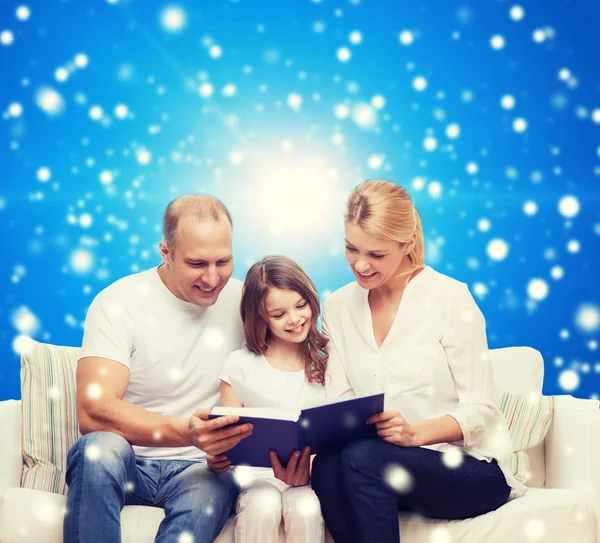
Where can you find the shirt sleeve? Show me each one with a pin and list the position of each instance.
(108, 331)
(465, 343)
(336, 379)
(234, 366)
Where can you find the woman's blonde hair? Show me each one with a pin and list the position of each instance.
(283, 273)
(385, 210)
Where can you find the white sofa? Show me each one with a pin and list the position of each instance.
(567, 464)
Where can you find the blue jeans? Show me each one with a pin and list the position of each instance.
(104, 474)
(363, 486)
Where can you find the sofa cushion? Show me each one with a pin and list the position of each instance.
(518, 369)
(552, 516)
(33, 516)
(49, 414)
(528, 419)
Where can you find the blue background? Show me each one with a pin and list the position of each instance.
(82, 190)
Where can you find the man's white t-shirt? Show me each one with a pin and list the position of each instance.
(174, 349)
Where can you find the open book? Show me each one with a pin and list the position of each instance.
(331, 423)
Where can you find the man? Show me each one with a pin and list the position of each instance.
(153, 346)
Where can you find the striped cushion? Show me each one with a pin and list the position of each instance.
(528, 419)
(49, 414)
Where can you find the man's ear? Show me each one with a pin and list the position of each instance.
(164, 252)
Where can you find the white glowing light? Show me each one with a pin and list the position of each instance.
(568, 206)
(344, 54)
(7, 37)
(517, 13)
(472, 168)
(406, 37)
(205, 90)
(22, 344)
(229, 90)
(378, 101)
(539, 36)
(15, 109)
(236, 156)
(81, 260)
(61, 74)
(93, 452)
(23, 13)
(537, 289)
(96, 113)
(364, 115)
(121, 111)
(25, 321)
(398, 478)
(573, 246)
(419, 83)
(568, 380)
(85, 220)
(484, 225)
(215, 51)
(49, 101)
(143, 156)
(530, 208)
(94, 391)
(557, 272)
(341, 111)
(519, 125)
(81, 60)
(435, 189)
(497, 249)
(106, 177)
(43, 174)
(430, 143)
(588, 318)
(507, 101)
(355, 37)
(497, 42)
(375, 162)
(294, 100)
(453, 131)
(173, 18)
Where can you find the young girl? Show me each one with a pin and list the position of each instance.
(284, 360)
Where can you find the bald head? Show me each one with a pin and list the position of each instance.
(199, 207)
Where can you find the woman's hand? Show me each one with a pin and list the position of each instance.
(392, 428)
(219, 463)
(297, 470)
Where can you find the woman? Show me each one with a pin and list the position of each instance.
(417, 335)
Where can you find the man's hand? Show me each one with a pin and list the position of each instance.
(218, 464)
(218, 435)
(297, 471)
(392, 428)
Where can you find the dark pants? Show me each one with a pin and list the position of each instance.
(363, 486)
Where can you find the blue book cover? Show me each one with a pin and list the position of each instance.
(286, 430)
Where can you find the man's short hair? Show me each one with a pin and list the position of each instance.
(202, 207)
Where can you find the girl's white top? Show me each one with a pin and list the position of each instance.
(433, 362)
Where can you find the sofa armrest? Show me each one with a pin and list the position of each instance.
(11, 458)
(573, 448)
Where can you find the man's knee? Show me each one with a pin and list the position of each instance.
(100, 449)
(202, 489)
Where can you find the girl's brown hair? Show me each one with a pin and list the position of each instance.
(385, 210)
(283, 273)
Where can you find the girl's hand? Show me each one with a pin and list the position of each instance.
(219, 463)
(392, 428)
(297, 470)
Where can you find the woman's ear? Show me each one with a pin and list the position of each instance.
(410, 244)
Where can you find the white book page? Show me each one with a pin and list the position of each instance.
(259, 412)
(249, 397)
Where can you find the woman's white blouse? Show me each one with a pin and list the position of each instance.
(433, 362)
